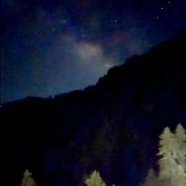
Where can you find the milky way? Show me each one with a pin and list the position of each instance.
(52, 47)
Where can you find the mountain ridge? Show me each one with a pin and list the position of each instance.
(178, 39)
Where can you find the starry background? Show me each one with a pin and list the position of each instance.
(52, 47)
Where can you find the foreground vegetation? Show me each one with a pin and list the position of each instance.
(172, 163)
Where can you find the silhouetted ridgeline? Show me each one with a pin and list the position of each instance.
(112, 127)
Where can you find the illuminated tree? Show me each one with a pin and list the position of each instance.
(180, 135)
(180, 176)
(95, 180)
(151, 179)
(27, 179)
(168, 148)
(172, 149)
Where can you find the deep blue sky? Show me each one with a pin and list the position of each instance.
(52, 47)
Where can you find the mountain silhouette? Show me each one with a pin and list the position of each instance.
(112, 126)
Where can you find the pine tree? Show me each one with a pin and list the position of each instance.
(180, 135)
(168, 148)
(151, 179)
(172, 149)
(180, 176)
(95, 180)
(27, 179)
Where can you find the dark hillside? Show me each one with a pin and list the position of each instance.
(112, 126)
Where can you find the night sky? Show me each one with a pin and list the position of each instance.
(52, 47)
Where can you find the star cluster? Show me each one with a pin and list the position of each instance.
(51, 47)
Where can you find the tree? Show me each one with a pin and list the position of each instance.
(168, 148)
(172, 149)
(180, 135)
(95, 180)
(180, 176)
(27, 179)
(151, 179)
